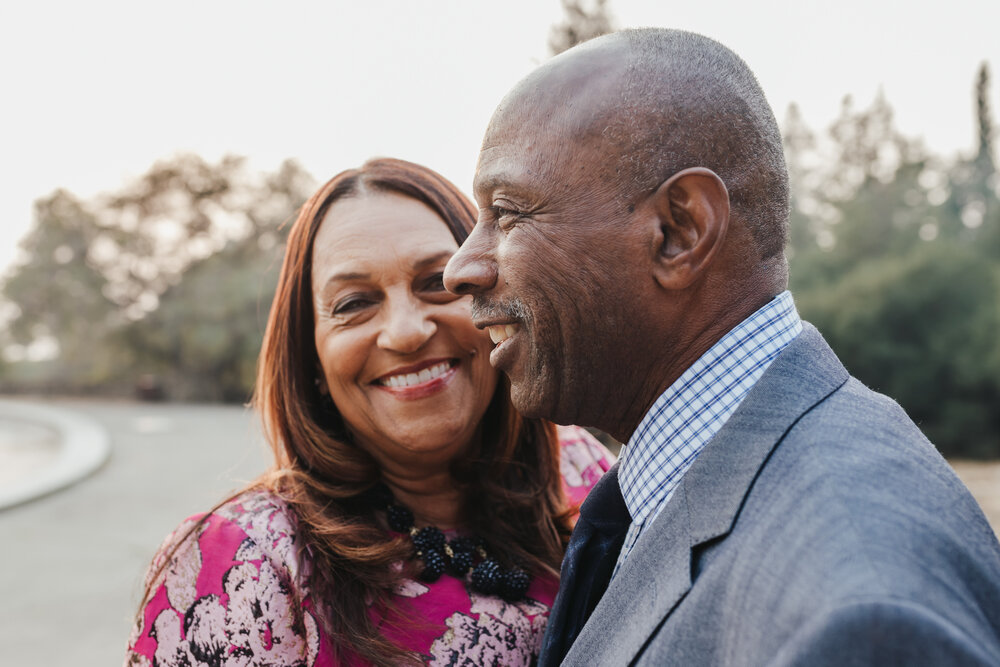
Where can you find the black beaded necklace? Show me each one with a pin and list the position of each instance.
(457, 556)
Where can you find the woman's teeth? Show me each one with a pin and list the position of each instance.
(501, 332)
(411, 379)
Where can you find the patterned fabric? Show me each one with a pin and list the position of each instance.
(693, 409)
(234, 595)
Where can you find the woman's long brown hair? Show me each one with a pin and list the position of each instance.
(510, 479)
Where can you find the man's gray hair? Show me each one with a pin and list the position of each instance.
(688, 101)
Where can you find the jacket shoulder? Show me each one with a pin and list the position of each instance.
(885, 631)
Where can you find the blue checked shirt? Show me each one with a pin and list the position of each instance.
(693, 409)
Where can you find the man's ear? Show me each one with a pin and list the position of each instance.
(692, 217)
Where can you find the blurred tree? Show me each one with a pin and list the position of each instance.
(974, 183)
(128, 283)
(181, 211)
(57, 292)
(800, 150)
(887, 261)
(201, 343)
(984, 155)
(584, 20)
(862, 200)
(867, 146)
(922, 328)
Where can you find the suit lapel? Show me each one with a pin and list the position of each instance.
(657, 573)
(648, 586)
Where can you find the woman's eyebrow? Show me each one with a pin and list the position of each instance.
(345, 276)
(422, 263)
(433, 259)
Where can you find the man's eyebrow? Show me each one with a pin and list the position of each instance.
(489, 182)
(512, 178)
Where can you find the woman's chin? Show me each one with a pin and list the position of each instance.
(425, 448)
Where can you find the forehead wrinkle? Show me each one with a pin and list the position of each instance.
(525, 160)
(541, 139)
(418, 265)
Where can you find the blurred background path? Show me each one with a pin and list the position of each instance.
(72, 563)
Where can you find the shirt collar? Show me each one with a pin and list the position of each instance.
(693, 409)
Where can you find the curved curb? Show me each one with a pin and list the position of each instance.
(84, 445)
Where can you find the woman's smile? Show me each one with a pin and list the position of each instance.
(418, 380)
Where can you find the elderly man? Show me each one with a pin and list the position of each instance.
(629, 264)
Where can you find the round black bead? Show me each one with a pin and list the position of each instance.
(461, 562)
(462, 545)
(429, 538)
(433, 565)
(515, 584)
(487, 577)
(400, 518)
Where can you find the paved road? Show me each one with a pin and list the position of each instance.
(71, 564)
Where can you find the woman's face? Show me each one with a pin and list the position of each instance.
(407, 370)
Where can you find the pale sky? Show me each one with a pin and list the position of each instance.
(94, 92)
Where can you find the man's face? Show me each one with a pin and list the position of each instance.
(551, 266)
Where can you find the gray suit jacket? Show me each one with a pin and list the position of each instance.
(818, 527)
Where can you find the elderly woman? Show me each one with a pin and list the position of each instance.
(411, 515)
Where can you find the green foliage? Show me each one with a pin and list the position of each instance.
(922, 328)
(202, 342)
(894, 258)
(59, 294)
(170, 277)
(984, 154)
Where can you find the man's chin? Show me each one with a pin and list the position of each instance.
(534, 401)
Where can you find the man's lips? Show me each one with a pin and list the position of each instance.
(416, 374)
(504, 348)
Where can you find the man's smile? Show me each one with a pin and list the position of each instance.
(501, 332)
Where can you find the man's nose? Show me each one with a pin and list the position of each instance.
(473, 269)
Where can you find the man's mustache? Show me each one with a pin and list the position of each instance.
(484, 309)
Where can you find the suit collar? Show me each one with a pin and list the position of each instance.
(657, 574)
(718, 482)
(685, 417)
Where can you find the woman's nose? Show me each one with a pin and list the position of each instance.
(473, 269)
(408, 325)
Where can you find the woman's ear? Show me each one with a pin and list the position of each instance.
(692, 217)
(320, 381)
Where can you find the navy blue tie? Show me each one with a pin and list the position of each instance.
(586, 569)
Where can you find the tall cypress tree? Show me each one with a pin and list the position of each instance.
(984, 157)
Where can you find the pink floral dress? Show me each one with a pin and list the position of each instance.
(237, 596)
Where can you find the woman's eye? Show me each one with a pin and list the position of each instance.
(435, 283)
(349, 305)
